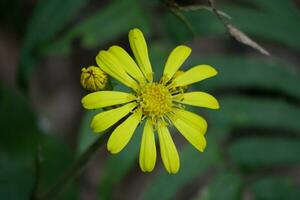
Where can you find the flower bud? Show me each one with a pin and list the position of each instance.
(93, 78)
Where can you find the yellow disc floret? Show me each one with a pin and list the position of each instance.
(155, 100)
(93, 78)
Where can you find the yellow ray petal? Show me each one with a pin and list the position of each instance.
(175, 60)
(105, 98)
(148, 149)
(139, 48)
(192, 119)
(168, 150)
(122, 134)
(200, 99)
(106, 119)
(128, 64)
(195, 74)
(193, 134)
(111, 65)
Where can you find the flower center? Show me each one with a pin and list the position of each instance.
(155, 99)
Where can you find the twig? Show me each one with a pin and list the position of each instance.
(235, 32)
(202, 7)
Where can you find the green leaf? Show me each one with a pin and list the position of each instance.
(260, 22)
(275, 188)
(158, 53)
(203, 23)
(49, 17)
(238, 72)
(255, 152)
(193, 164)
(275, 22)
(106, 25)
(225, 185)
(18, 144)
(239, 111)
(118, 165)
(86, 135)
(56, 159)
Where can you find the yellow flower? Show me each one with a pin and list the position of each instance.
(93, 78)
(160, 104)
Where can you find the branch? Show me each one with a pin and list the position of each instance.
(202, 7)
(235, 32)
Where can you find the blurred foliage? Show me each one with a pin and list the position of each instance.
(49, 17)
(192, 166)
(92, 31)
(270, 152)
(17, 146)
(274, 22)
(86, 136)
(19, 141)
(102, 27)
(119, 165)
(226, 185)
(275, 188)
(241, 72)
(11, 15)
(256, 130)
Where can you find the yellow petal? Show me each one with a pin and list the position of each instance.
(123, 133)
(139, 48)
(192, 119)
(127, 63)
(193, 134)
(148, 149)
(193, 75)
(200, 99)
(106, 119)
(105, 98)
(111, 65)
(175, 60)
(168, 150)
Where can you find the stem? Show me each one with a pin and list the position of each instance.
(174, 9)
(37, 162)
(74, 170)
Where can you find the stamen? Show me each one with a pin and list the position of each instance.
(154, 99)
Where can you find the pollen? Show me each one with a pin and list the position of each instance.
(155, 100)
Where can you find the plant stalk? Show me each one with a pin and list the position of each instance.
(74, 170)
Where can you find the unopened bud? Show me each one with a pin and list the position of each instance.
(93, 78)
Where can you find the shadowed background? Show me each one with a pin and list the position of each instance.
(253, 141)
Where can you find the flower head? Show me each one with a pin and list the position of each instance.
(93, 78)
(160, 104)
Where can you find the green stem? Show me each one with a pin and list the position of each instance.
(37, 162)
(74, 170)
(174, 9)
